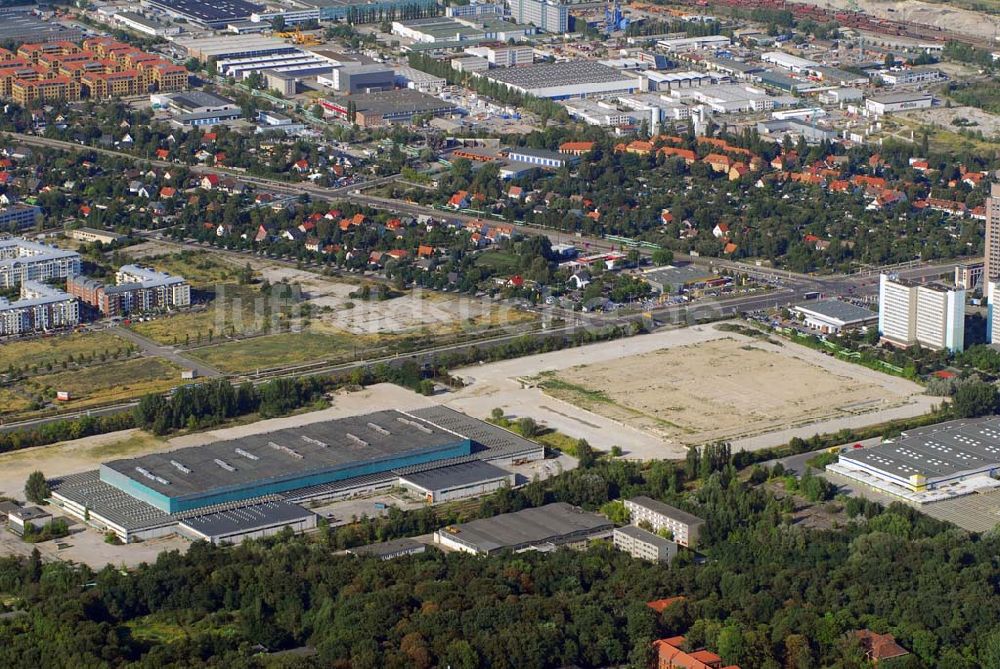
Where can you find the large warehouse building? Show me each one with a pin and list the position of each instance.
(539, 528)
(931, 463)
(438, 452)
(569, 79)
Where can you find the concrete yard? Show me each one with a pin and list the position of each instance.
(654, 394)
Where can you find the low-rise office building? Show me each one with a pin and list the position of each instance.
(685, 526)
(642, 544)
(833, 316)
(26, 517)
(91, 235)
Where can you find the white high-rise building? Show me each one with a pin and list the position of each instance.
(992, 319)
(931, 315)
(897, 311)
(549, 16)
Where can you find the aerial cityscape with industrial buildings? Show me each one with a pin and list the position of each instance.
(521, 333)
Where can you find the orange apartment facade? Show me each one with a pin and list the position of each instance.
(102, 68)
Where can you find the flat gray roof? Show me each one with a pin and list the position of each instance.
(247, 518)
(547, 75)
(389, 548)
(899, 97)
(935, 452)
(552, 523)
(681, 275)
(457, 475)
(198, 99)
(284, 454)
(489, 442)
(646, 536)
(399, 101)
(836, 310)
(669, 511)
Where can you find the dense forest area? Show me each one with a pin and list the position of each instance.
(769, 594)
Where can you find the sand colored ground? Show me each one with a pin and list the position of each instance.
(719, 389)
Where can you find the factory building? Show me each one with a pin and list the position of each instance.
(644, 545)
(565, 80)
(388, 107)
(355, 11)
(789, 62)
(542, 528)
(25, 27)
(728, 98)
(148, 497)
(597, 112)
(681, 44)
(40, 308)
(467, 479)
(206, 13)
(362, 79)
(389, 550)
(930, 463)
(911, 76)
(22, 260)
(685, 527)
(932, 315)
(880, 105)
(256, 521)
(211, 49)
(418, 80)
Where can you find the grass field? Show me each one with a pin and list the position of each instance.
(236, 308)
(281, 349)
(114, 381)
(201, 269)
(12, 403)
(168, 628)
(56, 349)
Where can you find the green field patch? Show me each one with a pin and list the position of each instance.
(281, 349)
(81, 347)
(111, 382)
(200, 268)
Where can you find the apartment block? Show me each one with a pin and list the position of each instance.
(17, 216)
(41, 307)
(103, 68)
(932, 315)
(137, 290)
(547, 15)
(643, 545)
(22, 260)
(685, 527)
(991, 268)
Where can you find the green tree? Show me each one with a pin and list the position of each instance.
(36, 488)
(974, 399)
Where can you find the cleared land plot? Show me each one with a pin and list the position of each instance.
(56, 349)
(12, 402)
(201, 268)
(110, 382)
(280, 349)
(715, 390)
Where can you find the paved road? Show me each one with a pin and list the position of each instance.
(150, 347)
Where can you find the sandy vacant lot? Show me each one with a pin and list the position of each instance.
(512, 386)
(719, 389)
